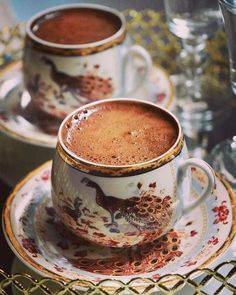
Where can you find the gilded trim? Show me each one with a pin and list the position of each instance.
(70, 49)
(74, 51)
(118, 171)
(20, 252)
(125, 170)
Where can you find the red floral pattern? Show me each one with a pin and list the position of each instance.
(30, 245)
(46, 175)
(3, 116)
(189, 263)
(160, 97)
(193, 233)
(221, 213)
(214, 240)
(59, 268)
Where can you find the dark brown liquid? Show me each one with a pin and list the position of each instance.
(120, 133)
(76, 26)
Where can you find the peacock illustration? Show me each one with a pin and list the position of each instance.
(88, 86)
(145, 212)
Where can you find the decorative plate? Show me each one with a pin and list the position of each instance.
(37, 237)
(21, 120)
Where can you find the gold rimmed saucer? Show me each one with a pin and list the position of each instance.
(38, 239)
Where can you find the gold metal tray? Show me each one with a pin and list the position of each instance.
(26, 284)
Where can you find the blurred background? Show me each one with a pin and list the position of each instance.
(12, 11)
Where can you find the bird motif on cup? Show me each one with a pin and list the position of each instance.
(87, 86)
(145, 212)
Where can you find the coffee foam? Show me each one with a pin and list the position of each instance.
(119, 133)
(76, 26)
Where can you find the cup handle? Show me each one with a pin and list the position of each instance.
(141, 52)
(181, 174)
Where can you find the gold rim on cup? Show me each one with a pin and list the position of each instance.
(72, 49)
(124, 170)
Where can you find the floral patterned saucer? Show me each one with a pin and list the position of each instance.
(38, 238)
(21, 120)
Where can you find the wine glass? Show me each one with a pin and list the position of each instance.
(194, 22)
(223, 156)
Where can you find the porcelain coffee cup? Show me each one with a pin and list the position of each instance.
(126, 205)
(61, 77)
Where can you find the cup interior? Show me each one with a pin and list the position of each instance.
(93, 107)
(47, 15)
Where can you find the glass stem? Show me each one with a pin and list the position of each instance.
(193, 59)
